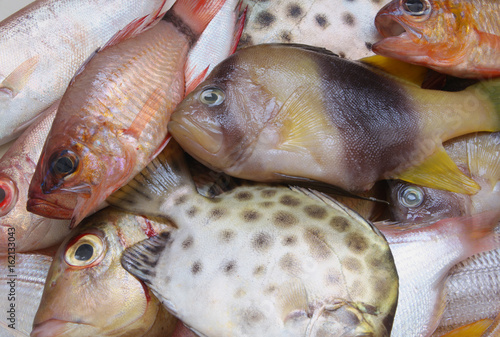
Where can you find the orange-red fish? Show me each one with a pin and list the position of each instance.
(113, 117)
(457, 37)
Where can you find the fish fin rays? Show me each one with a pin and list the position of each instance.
(18, 78)
(475, 329)
(409, 72)
(138, 26)
(483, 151)
(292, 297)
(146, 193)
(440, 172)
(298, 131)
(141, 259)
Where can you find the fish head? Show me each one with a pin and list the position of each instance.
(72, 176)
(417, 31)
(88, 293)
(219, 122)
(413, 203)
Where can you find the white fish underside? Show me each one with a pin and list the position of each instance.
(54, 37)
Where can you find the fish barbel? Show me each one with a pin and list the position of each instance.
(113, 118)
(42, 46)
(456, 37)
(88, 293)
(29, 231)
(259, 260)
(280, 112)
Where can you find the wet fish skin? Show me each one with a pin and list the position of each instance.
(43, 45)
(325, 124)
(300, 275)
(95, 296)
(344, 27)
(456, 37)
(30, 231)
(113, 118)
(31, 269)
(424, 255)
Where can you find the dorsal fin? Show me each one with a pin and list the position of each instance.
(409, 72)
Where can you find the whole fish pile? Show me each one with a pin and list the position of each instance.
(250, 168)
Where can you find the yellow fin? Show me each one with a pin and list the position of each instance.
(292, 296)
(17, 79)
(475, 329)
(483, 152)
(409, 72)
(301, 120)
(440, 172)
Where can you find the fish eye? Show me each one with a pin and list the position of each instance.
(85, 251)
(416, 7)
(212, 96)
(411, 196)
(8, 195)
(64, 163)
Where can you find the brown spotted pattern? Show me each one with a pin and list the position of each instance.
(268, 249)
(342, 26)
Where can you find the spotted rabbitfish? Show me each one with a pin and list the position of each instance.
(259, 260)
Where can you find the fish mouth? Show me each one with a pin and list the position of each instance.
(48, 209)
(191, 134)
(59, 328)
(388, 26)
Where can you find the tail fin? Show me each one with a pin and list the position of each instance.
(151, 188)
(195, 14)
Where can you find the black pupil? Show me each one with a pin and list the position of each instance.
(84, 252)
(211, 97)
(2, 194)
(415, 6)
(63, 165)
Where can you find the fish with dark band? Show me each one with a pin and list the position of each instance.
(281, 112)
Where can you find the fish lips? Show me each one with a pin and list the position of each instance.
(59, 328)
(202, 141)
(48, 209)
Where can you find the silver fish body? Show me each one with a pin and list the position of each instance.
(43, 45)
(259, 260)
(21, 285)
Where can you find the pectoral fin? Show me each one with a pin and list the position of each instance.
(297, 120)
(17, 79)
(292, 297)
(148, 111)
(440, 172)
(483, 156)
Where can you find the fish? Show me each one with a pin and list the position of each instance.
(344, 27)
(424, 255)
(325, 124)
(473, 286)
(27, 230)
(22, 278)
(88, 293)
(113, 118)
(43, 45)
(258, 260)
(456, 37)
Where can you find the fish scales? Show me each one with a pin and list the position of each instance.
(259, 259)
(54, 38)
(113, 117)
(338, 116)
